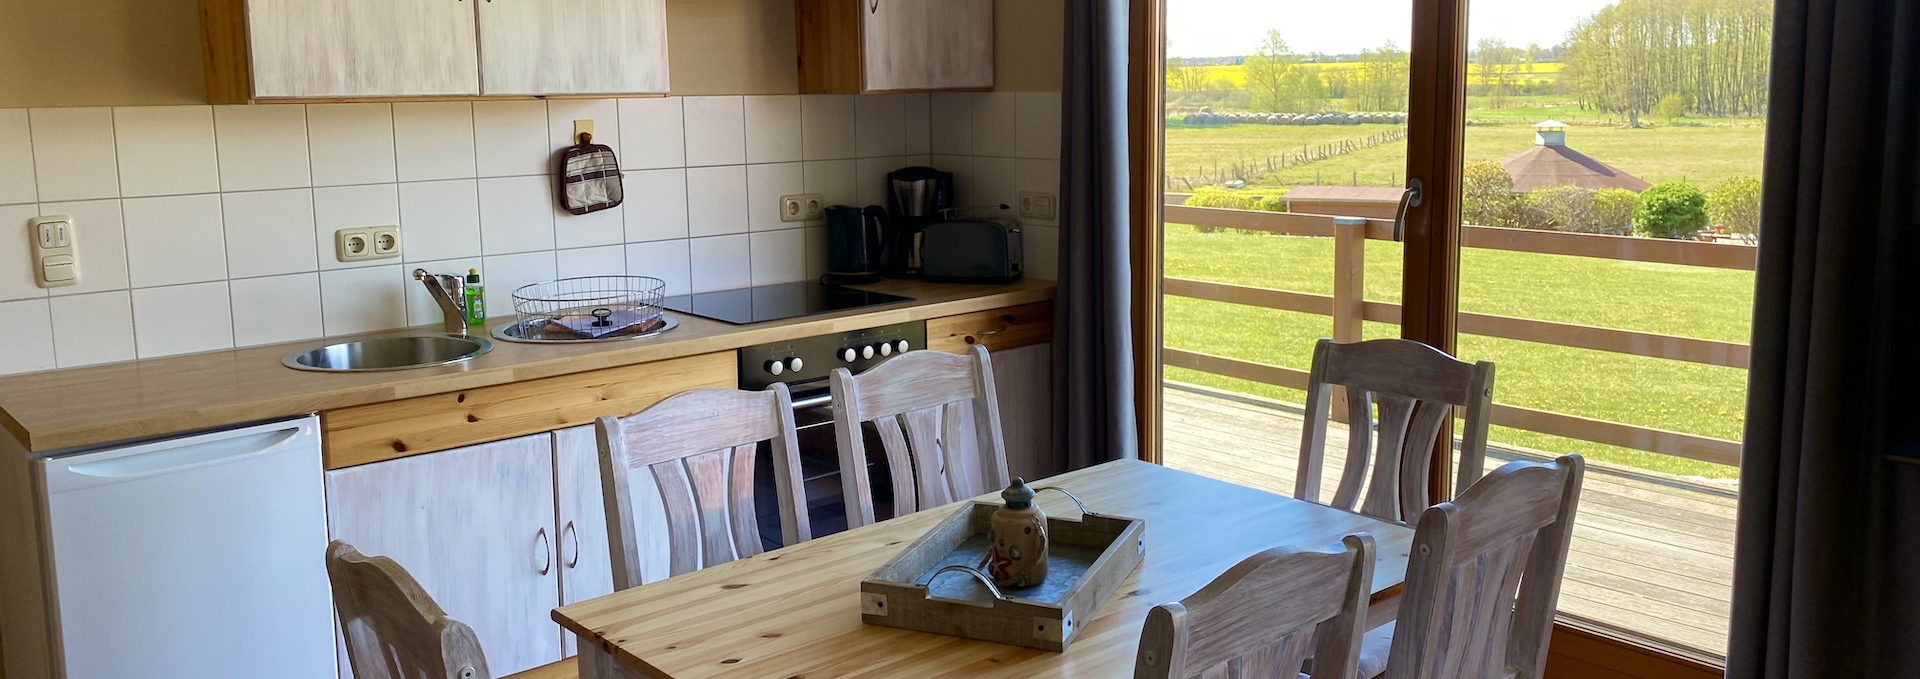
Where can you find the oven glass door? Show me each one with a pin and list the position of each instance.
(819, 473)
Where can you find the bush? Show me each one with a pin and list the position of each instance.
(1613, 211)
(1670, 210)
(1486, 194)
(1734, 205)
(1210, 196)
(1273, 203)
(1559, 208)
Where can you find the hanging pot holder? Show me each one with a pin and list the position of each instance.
(589, 177)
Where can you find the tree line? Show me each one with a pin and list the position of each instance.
(1279, 81)
(1707, 57)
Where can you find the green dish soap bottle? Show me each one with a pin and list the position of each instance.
(476, 300)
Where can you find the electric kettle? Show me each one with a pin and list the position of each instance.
(855, 237)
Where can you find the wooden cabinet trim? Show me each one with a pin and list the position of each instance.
(996, 329)
(385, 431)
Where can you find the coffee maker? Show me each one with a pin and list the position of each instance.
(916, 197)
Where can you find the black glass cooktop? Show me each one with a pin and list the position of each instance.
(774, 302)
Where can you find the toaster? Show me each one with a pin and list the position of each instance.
(971, 251)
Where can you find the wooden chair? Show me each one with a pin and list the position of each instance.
(1415, 388)
(698, 446)
(1484, 577)
(922, 403)
(394, 630)
(1257, 620)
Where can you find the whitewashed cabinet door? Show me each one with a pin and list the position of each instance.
(573, 46)
(362, 48)
(475, 526)
(586, 564)
(926, 44)
(1023, 379)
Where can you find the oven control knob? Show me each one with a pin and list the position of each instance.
(866, 351)
(849, 355)
(901, 347)
(795, 364)
(886, 348)
(775, 368)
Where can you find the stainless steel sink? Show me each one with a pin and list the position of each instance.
(388, 353)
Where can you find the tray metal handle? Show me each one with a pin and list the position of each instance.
(969, 570)
(1070, 496)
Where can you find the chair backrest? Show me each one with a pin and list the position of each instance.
(1265, 616)
(394, 630)
(939, 423)
(699, 448)
(1484, 577)
(1415, 387)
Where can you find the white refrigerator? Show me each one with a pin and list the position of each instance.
(196, 557)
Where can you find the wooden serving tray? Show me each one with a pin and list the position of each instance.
(932, 587)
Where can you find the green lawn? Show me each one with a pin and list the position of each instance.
(1660, 298)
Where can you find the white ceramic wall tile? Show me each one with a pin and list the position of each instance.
(165, 150)
(778, 256)
(182, 319)
(510, 138)
(765, 185)
(816, 252)
(601, 227)
(363, 300)
(605, 114)
(1042, 176)
(352, 207)
(516, 215)
(92, 329)
(73, 155)
(173, 240)
(716, 200)
(16, 158)
(16, 278)
(721, 263)
(667, 260)
(919, 160)
(441, 220)
(421, 309)
(507, 273)
(918, 119)
(100, 242)
(262, 147)
(433, 140)
(993, 183)
(870, 179)
(269, 233)
(610, 260)
(27, 345)
(276, 309)
(1041, 245)
(773, 128)
(716, 131)
(832, 179)
(656, 206)
(880, 125)
(951, 123)
(1037, 134)
(656, 134)
(826, 126)
(995, 115)
(351, 143)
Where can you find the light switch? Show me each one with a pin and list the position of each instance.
(55, 255)
(57, 268)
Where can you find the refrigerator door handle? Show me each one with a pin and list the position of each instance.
(172, 456)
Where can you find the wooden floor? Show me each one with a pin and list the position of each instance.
(1652, 553)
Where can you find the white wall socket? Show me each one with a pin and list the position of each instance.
(367, 242)
(1038, 205)
(802, 207)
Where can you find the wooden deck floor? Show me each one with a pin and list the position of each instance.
(1652, 553)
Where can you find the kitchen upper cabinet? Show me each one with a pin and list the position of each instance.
(849, 46)
(573, 46)
(1023, 381)
(475, 526)
(358, 48)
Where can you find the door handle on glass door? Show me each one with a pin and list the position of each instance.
(546, 550)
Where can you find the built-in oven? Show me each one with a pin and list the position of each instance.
(804, 365)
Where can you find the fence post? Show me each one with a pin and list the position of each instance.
(1349, 290)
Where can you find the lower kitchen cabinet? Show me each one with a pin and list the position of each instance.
(475, 526)
(586, 565)
(1023, 380)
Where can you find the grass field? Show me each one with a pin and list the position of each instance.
(1235, 76)
(1668, 299)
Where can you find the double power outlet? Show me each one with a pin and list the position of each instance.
(802, 207)
(367, 242)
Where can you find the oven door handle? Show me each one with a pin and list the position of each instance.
(813, 401)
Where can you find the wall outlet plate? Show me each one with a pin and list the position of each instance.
(793, 208)
(386, 242)
(56, 259)
(812, 207)
(366, 243)
(1038, 205)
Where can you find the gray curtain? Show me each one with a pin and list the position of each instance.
(1093, 346)
(1828, 548)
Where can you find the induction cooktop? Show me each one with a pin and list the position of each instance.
(757, 304)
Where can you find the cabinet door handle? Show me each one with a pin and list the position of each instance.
(873, 6)
(573, 537)
(546, 550)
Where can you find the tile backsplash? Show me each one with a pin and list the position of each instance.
(205, 228)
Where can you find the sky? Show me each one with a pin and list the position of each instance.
(1220, 28)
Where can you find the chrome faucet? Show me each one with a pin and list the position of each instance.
(450, 292)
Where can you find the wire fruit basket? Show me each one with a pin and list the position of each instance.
(590, 307)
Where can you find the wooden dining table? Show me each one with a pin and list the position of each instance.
(795, 612)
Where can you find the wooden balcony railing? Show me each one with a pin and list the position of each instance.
(1350, 310)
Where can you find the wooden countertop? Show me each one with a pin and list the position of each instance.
(60, 409)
